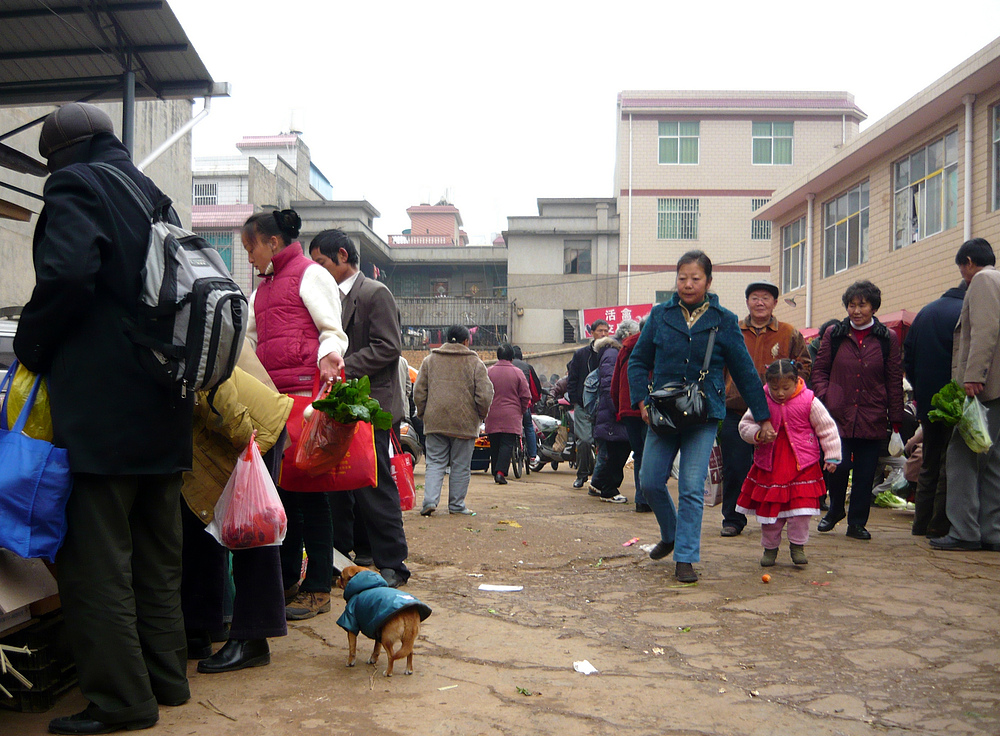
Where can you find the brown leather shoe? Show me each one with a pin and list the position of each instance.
(307, 605)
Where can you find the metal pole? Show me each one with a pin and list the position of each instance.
(968, 100)
(628, 268)
(180, 133)
(810, 205)
(128, 112)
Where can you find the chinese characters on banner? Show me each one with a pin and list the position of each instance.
(614, 315)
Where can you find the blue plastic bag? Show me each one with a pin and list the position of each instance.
(35, 483)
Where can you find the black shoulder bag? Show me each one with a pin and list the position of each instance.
(677, 405)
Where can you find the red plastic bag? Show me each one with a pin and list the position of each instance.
(323, 443)
(249, 512)
(401, 467)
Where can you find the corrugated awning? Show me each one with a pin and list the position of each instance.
(58, 51)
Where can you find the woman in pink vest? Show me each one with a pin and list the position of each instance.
(786, 482)
(296, 331)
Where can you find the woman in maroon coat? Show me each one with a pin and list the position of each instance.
(858, 375)
(505, 422)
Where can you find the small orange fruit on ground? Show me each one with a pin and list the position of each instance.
(766, 578)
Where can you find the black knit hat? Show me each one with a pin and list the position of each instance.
(71, 124)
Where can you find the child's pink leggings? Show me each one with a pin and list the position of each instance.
(798, 531)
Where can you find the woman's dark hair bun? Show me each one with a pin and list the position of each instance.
(289, 222)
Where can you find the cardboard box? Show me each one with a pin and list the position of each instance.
(22, 582)
(12, 618)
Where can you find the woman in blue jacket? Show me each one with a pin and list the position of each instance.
(671, 348)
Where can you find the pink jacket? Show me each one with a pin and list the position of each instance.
(287, 338)
(807, 423)
(511, 398)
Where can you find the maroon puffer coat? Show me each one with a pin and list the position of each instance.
(862, 394)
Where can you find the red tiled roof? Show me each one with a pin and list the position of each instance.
(205, 216)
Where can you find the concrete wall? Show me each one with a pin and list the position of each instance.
(914, 275)
(724, 181)
(154, 122)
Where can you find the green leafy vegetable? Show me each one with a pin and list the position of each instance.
(889, 500)
(948, 403)
(351, 401)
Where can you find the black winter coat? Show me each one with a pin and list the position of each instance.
(583, 362)
(89, 250)
(927, 348)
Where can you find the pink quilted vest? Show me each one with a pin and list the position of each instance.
(794, 415)
(287, 338)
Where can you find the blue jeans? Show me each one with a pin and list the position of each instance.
(530, 442)
(684, 525)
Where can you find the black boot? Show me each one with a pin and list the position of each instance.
(237, 654)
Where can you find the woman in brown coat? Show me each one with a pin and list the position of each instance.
(858, 375)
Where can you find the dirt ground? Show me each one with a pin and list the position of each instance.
(880, 637)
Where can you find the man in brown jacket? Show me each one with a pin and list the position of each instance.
(767, 340)
(973, 491)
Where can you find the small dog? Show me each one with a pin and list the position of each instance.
(389, 616)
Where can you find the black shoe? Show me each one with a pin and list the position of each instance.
(393, 578)
(823, 505)
(827, 523)
(499, 478)
(237, 654)
(730, 531)
(661, 550)
(643, 508)
(363, 560)
(199, 644)
(858, 532)
(990, 546)
(952, 544)
(578, 483)
(684, 572)
(83, 722)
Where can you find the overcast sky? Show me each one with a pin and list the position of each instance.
(498, 104)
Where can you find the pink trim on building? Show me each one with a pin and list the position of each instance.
(699, 192)
(670, 267)
(205, 216)
(267, 141)
(751, 103)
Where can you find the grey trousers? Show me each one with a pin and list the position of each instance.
(443, 451)
(583, 430)
(120, 585)
(974, 485)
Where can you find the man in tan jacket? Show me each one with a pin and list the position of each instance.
(973, 486)
(452, 394)
(767, 340)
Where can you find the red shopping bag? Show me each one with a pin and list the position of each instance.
(401, 467)
(359, 468)
(249, 512)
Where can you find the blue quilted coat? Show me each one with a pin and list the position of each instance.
(370, 601)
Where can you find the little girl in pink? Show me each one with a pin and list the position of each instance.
(785, 483)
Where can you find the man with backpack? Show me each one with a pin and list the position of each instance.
(128, 434)
(583, 363)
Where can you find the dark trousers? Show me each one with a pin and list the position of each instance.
(378, 508)
(120, 586)
(501, 449)
(861, 456)
(931, 517)
(310, 527)
(259, 606)
(609, 476)
(637, 439)
(737, 458)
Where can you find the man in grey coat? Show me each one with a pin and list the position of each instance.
(973, 501)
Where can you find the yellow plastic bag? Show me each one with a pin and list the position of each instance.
(39, 423)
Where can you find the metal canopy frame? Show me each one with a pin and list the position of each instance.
(59, 51)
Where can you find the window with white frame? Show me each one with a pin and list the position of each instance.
(793, 244)
(845, 230)
(206, 193)
(926, 191)
(996, 157)
(571, 325)
(759, 229)
(677, 219)
(772, 143)
(222, 241)
(678, 142)
(576, 256)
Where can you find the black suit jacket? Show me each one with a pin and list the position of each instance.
(371, 321)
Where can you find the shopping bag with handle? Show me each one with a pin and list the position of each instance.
(401, 467)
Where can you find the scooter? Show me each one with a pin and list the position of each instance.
(549, 437)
